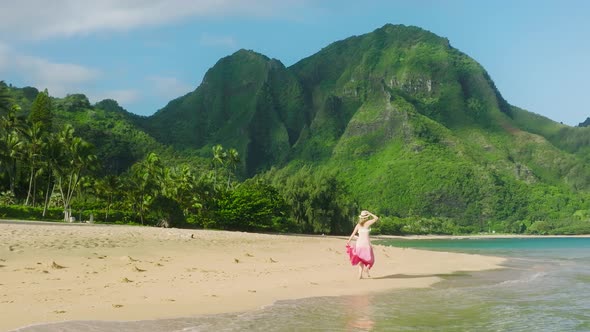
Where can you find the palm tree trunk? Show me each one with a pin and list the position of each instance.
(47, 195)
(12, 176)
(141, 210)
(30, 185)
(34, 190)
(106, 218)
(63, 199)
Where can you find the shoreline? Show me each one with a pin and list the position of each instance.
(58, 273)
(475, 236)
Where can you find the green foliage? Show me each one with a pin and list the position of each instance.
(41, 111)
(319, 201)
(114, 216)
(5, 99)
(417, 225)
(165, 211)
(7, 198)
(252, 206)
(73, 103)
(567, 226)
(431, 226)
(118, 141)
(388, 226)
(540, 227)
(21, 212)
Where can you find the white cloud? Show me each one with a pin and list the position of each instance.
(41, 19)
(169, 87)
(123, 97)
(215, 40)
(59, 78)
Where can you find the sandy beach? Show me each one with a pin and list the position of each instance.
(57, 272)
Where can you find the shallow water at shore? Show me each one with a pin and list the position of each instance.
(543, 287)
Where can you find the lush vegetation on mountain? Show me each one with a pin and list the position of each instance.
(396, 121)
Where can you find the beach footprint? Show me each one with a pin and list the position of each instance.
(56, 266)
(136, 269)
(130, 259)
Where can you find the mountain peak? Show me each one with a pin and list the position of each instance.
(246, 58)
(403, 32)
(244, 54)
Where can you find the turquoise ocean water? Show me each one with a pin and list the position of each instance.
(545, 286)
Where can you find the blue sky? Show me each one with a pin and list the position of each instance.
(146, 53)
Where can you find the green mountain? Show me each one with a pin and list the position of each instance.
(413, 125)
(246, 101)
(415, 129)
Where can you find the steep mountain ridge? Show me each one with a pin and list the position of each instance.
(324, 91)
(413, 126)
(246, 101)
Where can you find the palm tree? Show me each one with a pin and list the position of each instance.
(78, 157)
(5, 99)
(219, 157)
(183, 183)
(53, 155)
(147, 176)
(10, 140)
(108, 187)
(10, 121)
(10, 150)
(233, 159)
(33, 148)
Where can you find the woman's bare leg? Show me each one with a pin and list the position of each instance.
(361, 268)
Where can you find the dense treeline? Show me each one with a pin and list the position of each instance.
(39, 164)
(49, 174)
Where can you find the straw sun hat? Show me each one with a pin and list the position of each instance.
(364, 215)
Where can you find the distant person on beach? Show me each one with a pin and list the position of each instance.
(362, 252)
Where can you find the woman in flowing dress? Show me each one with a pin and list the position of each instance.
(362, 252)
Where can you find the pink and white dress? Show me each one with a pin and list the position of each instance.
(362, 252)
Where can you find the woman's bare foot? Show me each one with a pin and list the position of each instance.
(361, 268)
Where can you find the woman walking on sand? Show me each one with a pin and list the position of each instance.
(362, 252)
